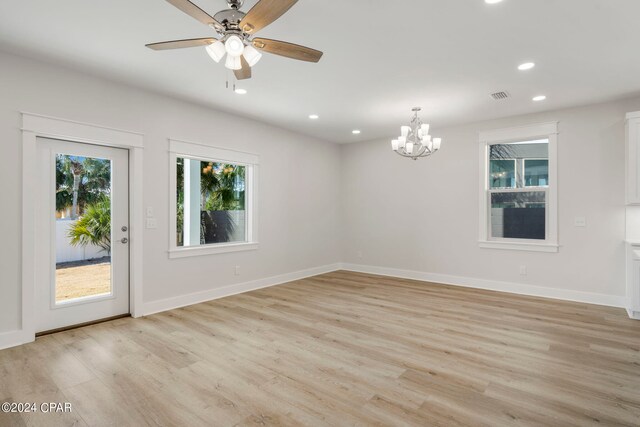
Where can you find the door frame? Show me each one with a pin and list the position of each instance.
(36, 126)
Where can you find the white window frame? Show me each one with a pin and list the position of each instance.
(547, 131)
(191, 150)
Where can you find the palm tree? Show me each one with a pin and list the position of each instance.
(63, 195)
(94, 226)
(221, 190)
(76, 170)
(80, 181)
(221, 185)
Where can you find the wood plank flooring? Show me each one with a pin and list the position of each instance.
(340, 349)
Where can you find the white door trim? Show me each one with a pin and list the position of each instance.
(35, 126)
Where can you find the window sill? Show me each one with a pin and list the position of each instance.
(212, 249)
(517, 246)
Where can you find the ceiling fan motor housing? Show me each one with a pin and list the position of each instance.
(230, 18)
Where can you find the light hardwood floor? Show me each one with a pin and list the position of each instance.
(340, 349)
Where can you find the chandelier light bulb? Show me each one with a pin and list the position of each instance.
(436, 143)
(233, 62)
(409, 147)
(252, 55)
(234, 46)
(394, 145)
(404, 131)
(425, 128)
(216, 51)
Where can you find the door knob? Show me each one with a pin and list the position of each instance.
(124, 228)
(124, 240)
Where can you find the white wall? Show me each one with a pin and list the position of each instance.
(66, 252)
(422, 215)
(296, 232)
(321, 203)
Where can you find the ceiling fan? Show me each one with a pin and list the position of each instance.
(236, 30)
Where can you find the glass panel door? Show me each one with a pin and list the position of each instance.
(82, 223)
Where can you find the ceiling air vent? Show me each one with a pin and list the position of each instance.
(499, 96)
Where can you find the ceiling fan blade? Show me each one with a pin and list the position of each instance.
(245, 72)
(179, 44)
(195, 12)
(264, 13)
(289, 50)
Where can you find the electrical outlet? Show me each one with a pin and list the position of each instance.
(580, 221)
(359, 254)
(149, 211)
(151, 223)
(523, 270)
(237, 270)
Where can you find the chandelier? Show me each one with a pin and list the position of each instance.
(414, 140)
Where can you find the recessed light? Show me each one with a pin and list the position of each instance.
(355, 132)
(240, 91)
(526, 66)
(314, 116)
(539, 98)
(492, 1)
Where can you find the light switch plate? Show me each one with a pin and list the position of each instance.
(151, 223)
(149, 211)
(580, 221)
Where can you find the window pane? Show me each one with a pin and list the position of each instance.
(519, 154)
(536, 173)
(210, 202)
(83, 227)
(519, 215)
(503, 174)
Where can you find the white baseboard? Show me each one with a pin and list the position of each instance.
(513, 288)
(14, 338)
(633, 314)
(225, 291)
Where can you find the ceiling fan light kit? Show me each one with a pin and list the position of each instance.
(414, 140)
(216, 51)
(233, 63)
(234, 45)
(236, 30)
(252, 55)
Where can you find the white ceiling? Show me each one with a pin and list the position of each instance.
(381, 57)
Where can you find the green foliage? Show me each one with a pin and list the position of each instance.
(94, 226)
(93, 181)
(180, 201)
(64, 182)
(222, 188)
(220, 185)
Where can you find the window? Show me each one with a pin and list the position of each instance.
(518, 189)
(212, 193)
(536, 172)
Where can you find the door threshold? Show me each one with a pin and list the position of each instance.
(80, 325)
